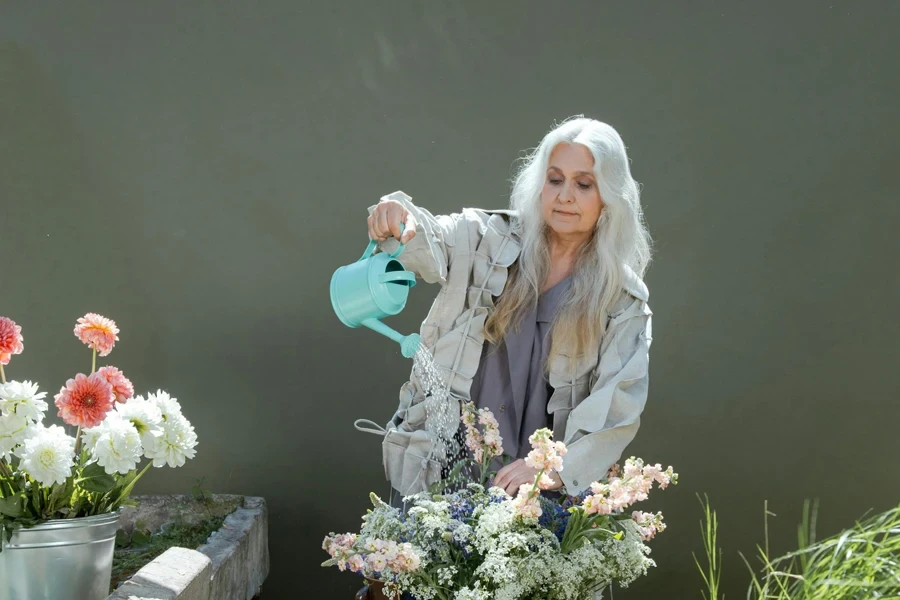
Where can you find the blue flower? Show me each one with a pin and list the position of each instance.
(555, 515)
(461, 510)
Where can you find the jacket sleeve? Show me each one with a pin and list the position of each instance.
(428, 253)
(606, 421)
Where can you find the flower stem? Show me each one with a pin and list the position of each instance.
(2, 375)
(435, 586)
(94, 362)
(7, 474)
(141, 474)
(536, 480)
(77, 439)
(128, 488)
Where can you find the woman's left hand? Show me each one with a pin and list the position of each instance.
(516, 473)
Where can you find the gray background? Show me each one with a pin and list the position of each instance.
(197, 170)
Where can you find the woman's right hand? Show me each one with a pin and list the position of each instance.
(385, 220)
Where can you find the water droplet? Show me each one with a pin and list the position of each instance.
(441, 411)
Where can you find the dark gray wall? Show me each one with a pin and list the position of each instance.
(197, 170)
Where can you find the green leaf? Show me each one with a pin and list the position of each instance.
(6, 531)
(36, 499)
(123, 495)
(122, 540)
(56, 493)
(200, 493)
(77, 505)
(95, 479)
(62, 497)
(11, 507)
(125, 480)
(140, 537)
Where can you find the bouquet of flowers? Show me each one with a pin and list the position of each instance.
(45, 473)
(478, 543)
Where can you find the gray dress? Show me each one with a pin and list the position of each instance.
(511, 380)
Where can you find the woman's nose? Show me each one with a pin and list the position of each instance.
(566, 193)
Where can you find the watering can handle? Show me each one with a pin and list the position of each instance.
(374, 244)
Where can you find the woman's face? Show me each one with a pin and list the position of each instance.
(570, 200)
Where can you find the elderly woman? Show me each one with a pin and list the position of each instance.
(542, 316)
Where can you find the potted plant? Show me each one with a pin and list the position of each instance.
(60, 493)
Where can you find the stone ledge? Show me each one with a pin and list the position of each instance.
(176, 573)
(231, 565)
(239, 552)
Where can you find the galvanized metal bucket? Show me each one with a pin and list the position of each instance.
(66, 559)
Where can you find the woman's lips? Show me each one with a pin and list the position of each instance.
(565, 214)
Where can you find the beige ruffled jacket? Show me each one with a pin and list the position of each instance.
(596, 411)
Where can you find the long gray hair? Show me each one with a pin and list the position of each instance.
(620, 240)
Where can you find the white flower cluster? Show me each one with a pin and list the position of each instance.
(432, 516)
(154, 428)
(467, 593)
(45, 453)
(530, 565)
(622, 561)
(493, 519)
(23, 400)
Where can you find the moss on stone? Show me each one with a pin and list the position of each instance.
(186, 522)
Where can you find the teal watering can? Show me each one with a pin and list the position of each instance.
(374, 287)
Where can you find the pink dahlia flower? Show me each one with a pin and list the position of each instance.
(98, 332)
(85, 400)
(123, 389)
(10, 340)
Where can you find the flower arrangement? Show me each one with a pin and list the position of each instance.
(45, 473)
(478, 543)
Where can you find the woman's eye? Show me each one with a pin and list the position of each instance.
(585, 186)
(555, 181)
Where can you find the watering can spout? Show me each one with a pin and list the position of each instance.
(409, 344)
